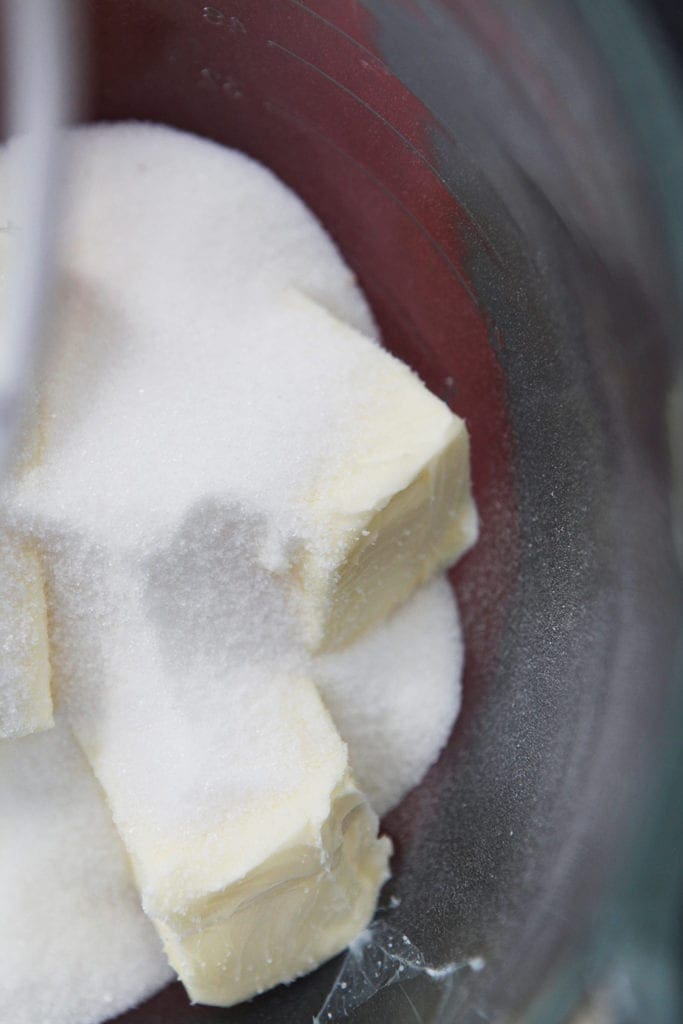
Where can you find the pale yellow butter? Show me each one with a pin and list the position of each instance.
(25, 698)
(392, 507)
(305, 902)
(278, 873)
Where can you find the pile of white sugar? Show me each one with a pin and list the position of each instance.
(395, 693)
(158, 484)
(74, 943)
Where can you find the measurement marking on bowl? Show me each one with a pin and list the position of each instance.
(213, 15)
(218, 18)
(212, 79)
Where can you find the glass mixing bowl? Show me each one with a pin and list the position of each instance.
(503, 178)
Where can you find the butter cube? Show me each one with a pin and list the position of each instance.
(292, 908)
(392, 505)
(25, 698)
(256, 859)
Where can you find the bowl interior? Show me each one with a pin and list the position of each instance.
(455, 192)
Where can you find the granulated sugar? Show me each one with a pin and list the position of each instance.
(172, 336)
(395, 694)
(75, 946)
(164, 484)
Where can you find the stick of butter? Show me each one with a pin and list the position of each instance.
(25, 698)
(255, 855)
(310, 891)
(392, 505)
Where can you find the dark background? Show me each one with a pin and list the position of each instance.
(669, 14)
